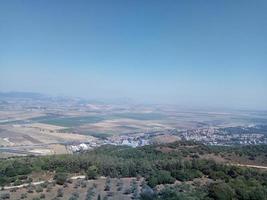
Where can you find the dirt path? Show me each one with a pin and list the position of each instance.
(39, 183)
(77, 177)
(251, 166)
(24, 185)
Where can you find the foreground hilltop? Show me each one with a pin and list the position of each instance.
(180, 170)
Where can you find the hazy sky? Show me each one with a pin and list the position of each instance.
(207, 53)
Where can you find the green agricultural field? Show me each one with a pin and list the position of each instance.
(69, 121)
(141, 116)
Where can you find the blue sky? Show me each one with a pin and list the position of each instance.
(199, 53)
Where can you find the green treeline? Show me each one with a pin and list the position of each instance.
(158, 164)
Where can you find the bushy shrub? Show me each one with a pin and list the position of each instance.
(92, 172)
(39, 189)
(221, 191)
(5, 196)
(60, 192)
(160, 177)
(23, 196)
(60, 178)
(186, 174)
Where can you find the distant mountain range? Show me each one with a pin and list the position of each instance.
(27, 95)
(40, 96)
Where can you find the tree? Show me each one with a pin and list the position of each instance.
(23, 196)
(147, 193)
(221, 191)
(258, 193)
(92, 173)
(39, 189)
(160, 177)
(169, 194)
(60, 192)
(5, 196)
(60, 178)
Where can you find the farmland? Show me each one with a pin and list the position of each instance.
(68, 121)
(36, 125)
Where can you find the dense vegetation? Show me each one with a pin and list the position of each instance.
(250, 151)
(159, 164)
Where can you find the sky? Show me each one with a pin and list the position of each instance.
(184, 52)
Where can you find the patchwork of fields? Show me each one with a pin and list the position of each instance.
(34, 127)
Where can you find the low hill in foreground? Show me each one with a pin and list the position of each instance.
(181, 170)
